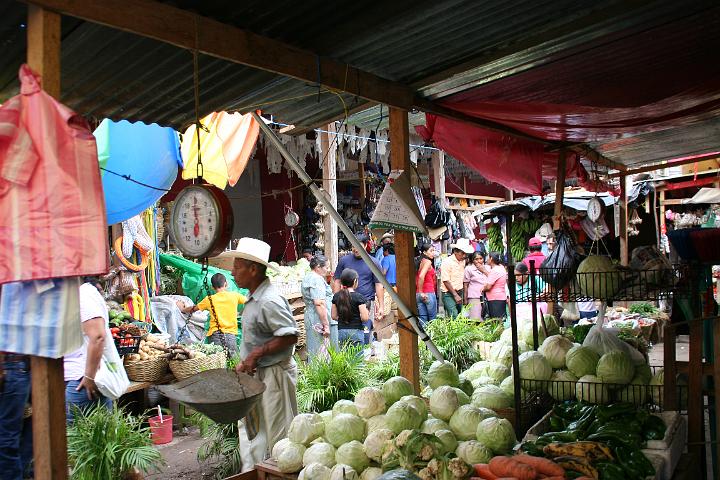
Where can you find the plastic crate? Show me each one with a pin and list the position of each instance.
(671, 447)
(127, 345)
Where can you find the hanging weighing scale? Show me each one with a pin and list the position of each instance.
(595, 209)
(202, 221)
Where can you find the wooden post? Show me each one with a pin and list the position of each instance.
(438, 168)
(363, 185)
(329, 168)
(559, 189)
(48, 386)
(623, 201)
(400, 158)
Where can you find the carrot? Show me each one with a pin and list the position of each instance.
(509, 467)
(483, 470)
(542, 465)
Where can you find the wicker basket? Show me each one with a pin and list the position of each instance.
(147, 370)
(302, 336)
(186, 368)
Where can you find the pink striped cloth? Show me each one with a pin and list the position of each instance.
(53, 211)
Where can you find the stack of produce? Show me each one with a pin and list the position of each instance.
(566, 370)
(151, 347)
(600, 442)
(389, 429)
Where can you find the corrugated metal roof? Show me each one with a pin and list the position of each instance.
(108, 73)
(555, 51)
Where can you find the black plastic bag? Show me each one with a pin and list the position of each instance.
(560, 267)
(437, 216)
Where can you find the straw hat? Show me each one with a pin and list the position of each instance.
(464, 245)
(251, 249)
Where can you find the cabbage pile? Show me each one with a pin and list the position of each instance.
(388, 428)
(564, 370)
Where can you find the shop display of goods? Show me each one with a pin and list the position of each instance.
(598, 277)
(150, 347)
(387, 432)
(599, 442)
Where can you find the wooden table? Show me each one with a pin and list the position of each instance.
(268, 470)
(137, 386)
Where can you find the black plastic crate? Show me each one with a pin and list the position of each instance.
(128, 345)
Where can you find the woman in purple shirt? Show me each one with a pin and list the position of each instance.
(474, 284)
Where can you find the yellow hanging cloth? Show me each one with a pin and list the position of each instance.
(225, 147)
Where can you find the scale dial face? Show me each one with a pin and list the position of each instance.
(595, 209)
(201, 221)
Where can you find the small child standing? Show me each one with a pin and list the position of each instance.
(223, 330)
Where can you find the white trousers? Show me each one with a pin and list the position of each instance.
(276, 410)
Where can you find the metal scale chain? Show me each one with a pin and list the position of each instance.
(199, 175)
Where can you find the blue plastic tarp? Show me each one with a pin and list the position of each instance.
(148, 154)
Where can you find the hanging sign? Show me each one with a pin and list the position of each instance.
(397, 208)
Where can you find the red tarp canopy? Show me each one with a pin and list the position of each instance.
(610, 89)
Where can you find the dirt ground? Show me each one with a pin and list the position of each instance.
(180, 458)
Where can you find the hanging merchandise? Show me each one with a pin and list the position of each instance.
(417, 193)
(138, 163)
(53, 223)
(226, 142)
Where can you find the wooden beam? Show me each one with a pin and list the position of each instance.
(668, 164)
(329, 169)
(404, 254)
(475, 197)
(363, 184)
(48, 386)
(700, 182)
(189, 30)
(623, 227)
(559, 189)
(597, 157)
(663, 227)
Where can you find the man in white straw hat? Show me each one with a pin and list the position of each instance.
(269, 335)
(452, 274)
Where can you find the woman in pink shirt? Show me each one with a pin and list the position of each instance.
(474, 284)
(495, 287)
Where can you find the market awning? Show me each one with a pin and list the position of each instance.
(138, 162)
(577, 200)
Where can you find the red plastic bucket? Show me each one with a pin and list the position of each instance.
(161, 432)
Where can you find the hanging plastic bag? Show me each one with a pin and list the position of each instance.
(111, 379)
(570, 313)
(604, 340)
(437, 216)
(560, 267)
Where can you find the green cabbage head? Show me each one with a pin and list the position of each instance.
(344, 428)
(581, 361)
(615, 368)
(555, 348)
(305, 428)
(465, 420)
(403, 416)
(473, 452)
(497, 434)
(291, 458)
(322, 453)
(370, 401)
(442, 373)
(492, 397)
(353, 454)
(590, 389)
(395, 388)
(445, 400)
(314, 471)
